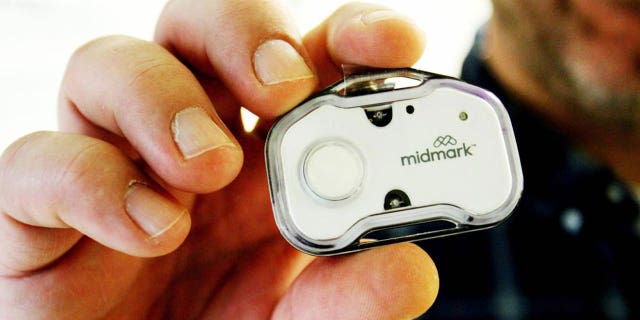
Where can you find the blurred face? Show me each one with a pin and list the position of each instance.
(586, 53)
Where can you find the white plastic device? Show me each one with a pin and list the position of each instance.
(372, 160)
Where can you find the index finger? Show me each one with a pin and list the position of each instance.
(252, 46)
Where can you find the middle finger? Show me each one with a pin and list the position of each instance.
(138, 92)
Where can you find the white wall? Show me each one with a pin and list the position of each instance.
(37, 37)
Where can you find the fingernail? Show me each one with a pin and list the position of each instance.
(152, 212)
(381, 15)
(276, 61)
(195, 133)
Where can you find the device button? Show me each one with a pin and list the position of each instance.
(333, 170)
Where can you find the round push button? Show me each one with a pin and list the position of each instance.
(333, 171)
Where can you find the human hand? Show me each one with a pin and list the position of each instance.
(141, 207)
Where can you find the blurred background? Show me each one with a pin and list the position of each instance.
(38, 36)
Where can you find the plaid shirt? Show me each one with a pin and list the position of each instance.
(570, 249)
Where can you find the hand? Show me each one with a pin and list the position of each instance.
(141, 207)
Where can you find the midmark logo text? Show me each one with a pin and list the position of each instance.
(437, 154)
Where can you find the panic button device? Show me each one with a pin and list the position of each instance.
(391, 155)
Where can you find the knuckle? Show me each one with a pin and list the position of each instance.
(11, 155)
(90, 166)
(148, 71)
(136, 62)
(81, 168)
(11, 163)
(107, 44)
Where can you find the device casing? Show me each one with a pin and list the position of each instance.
(446, 162)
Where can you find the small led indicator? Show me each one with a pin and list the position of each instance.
(410, 109)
